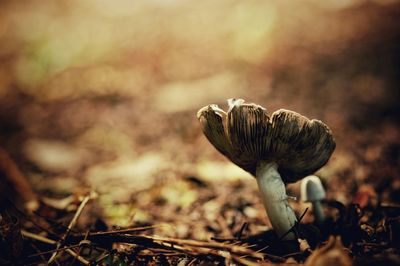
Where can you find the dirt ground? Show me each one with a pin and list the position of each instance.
(103, 160)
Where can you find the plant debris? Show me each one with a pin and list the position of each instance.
(40, 237)
(102, 159)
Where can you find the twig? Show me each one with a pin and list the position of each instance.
(242, 229)
(244, 261)
(64, 248)
(210, 245)
(302, 215)
(102, 257)
(162, 253)
(292, 254)
(223, 239)
(80, 249)
(37, 250)
(277, 258)
(192, 262)
(52, 250)
(121, 231)
(38, 237)
(293, 228)
(70, 226)
(31, 219)
(52, 242)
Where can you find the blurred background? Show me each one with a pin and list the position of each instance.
(103, 95)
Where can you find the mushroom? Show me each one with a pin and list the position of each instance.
(311, 190)
(277, 149)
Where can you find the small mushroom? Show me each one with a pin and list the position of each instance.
(311, 190)
(277, 149)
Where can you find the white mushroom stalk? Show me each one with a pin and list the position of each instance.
(276, 150)
(312, 191)
(274, 198)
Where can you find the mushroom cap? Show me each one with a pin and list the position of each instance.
(311, 189)
(247, 135)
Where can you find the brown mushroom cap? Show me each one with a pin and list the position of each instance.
(247, 136)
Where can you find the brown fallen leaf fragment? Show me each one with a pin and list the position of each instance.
(332, 253)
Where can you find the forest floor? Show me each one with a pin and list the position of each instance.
(103, 161)
(159, 208)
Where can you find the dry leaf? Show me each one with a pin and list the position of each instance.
(330, 254)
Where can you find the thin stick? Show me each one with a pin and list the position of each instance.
(70, 226)
(102, 257)
(38, 237)
(202, 244)
(38, 250)
(64, 248)
(293, 228)
(52, 250)
(121, 231)
(281, 259)
(244, 261)
(192, 262)
(52, 242)
(292, 254)
(79, 250)
(31, 219)
(242, 229)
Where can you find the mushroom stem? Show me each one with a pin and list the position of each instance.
(274, 198)
(318, 212)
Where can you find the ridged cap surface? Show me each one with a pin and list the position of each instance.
(246, 134)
